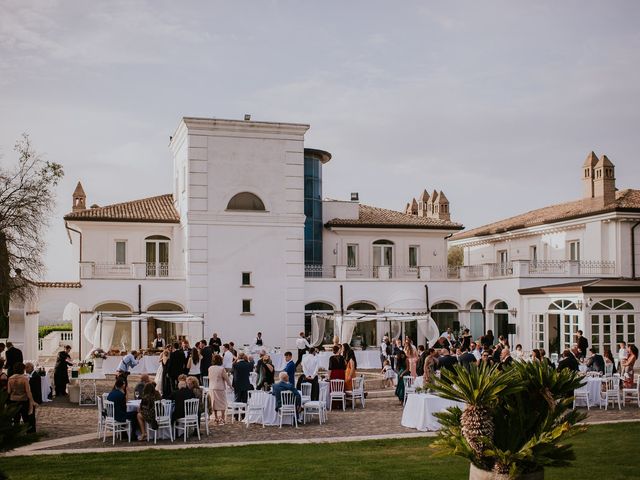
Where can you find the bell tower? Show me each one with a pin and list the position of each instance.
(79, 199)
(587, 175)
(604, 181)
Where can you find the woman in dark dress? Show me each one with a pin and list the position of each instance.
(337, 365)
(61, 371)
(402, 369)
(265, 371)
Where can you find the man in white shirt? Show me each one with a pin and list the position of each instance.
(310, 366)
(448, 335)
(129, 361)
(302, 345)
(622, 354)
(475, 350)
(227, 357)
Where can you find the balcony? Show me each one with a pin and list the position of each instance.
(136, 270)
(517, 268)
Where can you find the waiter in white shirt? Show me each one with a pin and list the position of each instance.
(159, 343)
(227, 357)
(302, 345)
(310, 366)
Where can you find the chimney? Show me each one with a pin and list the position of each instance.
(604, 182)
(587, 175)
(355, 197)
(79, 199)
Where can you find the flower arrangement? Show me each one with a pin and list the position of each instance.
(98, 353)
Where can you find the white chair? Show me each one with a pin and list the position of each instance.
(336, 392)
(608, 369)
(190, 418)
(205, 383)
(408, 387)
(253, 379)
(288, 407)
(582, 393)
(357, 392)
(205, 415)
(110, 423)
(163, 410)
(612, 392)
(101, 415)
(314, 407)
(255, 407)
(235, 408)
(306, 392)
(632, 393)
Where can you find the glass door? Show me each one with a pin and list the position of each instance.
(382, 256)
(157, 258)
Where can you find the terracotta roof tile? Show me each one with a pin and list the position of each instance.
(158, 209)
(374, 217)
(59, 284)
(626, 200)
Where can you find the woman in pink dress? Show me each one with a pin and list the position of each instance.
(412, 355)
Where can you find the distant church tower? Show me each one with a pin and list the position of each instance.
(587, 175)
(79, 198)
(604, 181)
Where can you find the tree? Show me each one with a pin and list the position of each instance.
(455, 257)
(26, 199)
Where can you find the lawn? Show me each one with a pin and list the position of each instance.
(604, 451)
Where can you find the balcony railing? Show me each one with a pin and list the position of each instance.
(136, 270)
(516, 268)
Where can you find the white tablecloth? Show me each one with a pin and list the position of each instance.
(366, 359)
(419, 410)
(147, 364)
(133, 405)
(593, 386)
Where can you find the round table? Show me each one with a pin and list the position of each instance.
(419, 409)
(594, 387)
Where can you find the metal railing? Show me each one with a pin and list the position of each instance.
(548, 267)
(319, 271)
(160, 269)
(445, 272)
(112, 270)
(399, 271)
(501, 269)
(474, 271)
(597, 267)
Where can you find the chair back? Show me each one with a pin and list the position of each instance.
(337, 385)
(105, 395)
(100, 407)
(205, 382)
(110, 409)
(358, 384)
(608, 369)
(613, 383)
(287, 399)
(306, 389)
(255, 398)
(191, 407)
(408, 381)
(253, 379)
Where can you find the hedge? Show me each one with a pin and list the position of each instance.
(45, 330)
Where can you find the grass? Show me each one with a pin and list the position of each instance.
(604, 451)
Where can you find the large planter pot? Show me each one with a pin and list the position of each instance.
(97, 363)
(476, 473)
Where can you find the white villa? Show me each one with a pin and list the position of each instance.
(246, 243)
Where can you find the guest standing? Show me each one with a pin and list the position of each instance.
(402, 369)
(12, 357)
(290, 367)
(352, 366)
(218, 383)
(206, 353)
(162, 381)
(215, 343)
(193, 363)
(303, 346)
(412, 355)
(35, 382)
(337, 365)
(259, 339)
(241, 374)
(310, 366)
(20, 393)
(628, 365)
(176, 365)
(265, 371)
(61, 371)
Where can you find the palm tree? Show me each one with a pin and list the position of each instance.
(480, 388)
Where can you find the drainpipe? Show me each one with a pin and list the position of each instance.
(66, 225)
(633, 250)
(139, 313)
(484, 307)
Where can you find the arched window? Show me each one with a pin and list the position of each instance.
(476, 320)
(501, 319)
(563, 305)
(612, 304)
(157, 255)
(364, 333)
(165, 307)
(322, 308)
(445, 314)
(366, 306)
(245, 201)
(501, 306)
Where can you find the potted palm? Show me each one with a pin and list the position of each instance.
(515, 421)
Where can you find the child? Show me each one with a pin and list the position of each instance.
(387, 374)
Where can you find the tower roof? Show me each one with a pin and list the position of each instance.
(591, 160)
(424, 198)
(604, 162)
(79, 191)
(442, 198)
(434, 196)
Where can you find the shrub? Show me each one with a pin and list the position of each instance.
(45, 330)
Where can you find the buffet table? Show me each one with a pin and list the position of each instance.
(419, 410)
(87, 387)
(45, 385)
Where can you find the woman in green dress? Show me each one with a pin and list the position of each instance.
(402, 369)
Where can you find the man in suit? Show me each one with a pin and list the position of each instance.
(119, 399)
(283, 385)
(12, 356)
(568, 361)
(421, 358)
(206, 354)
(595, 363)
(177, 363)
(34, 382)
(290, 367)
(583, 345)
(505, 358)
(241, 378)
(178, 397)
(446, 360)
(215, 343)
(467, 358)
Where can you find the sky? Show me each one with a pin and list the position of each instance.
(497, 103)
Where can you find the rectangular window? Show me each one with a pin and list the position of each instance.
(121, 252)
(246, 306)
(246, 279)
(352, 255)
(533, 254)
(574, 250)
(503, 257)
(414, 251)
